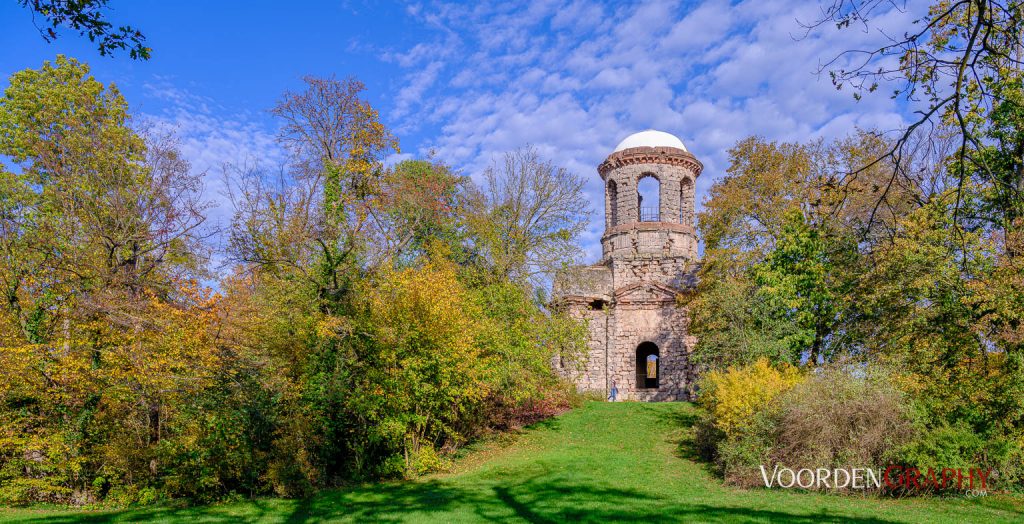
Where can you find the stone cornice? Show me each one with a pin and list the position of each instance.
(648, 226)
(650, 155)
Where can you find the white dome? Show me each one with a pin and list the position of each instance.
(650, 138)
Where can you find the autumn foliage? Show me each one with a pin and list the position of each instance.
(362, 331)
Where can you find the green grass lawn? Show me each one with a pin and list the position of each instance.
(603, 462)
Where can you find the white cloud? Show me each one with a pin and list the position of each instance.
(211, 141)
(574, 77)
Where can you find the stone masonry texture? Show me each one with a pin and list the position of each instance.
(629, 297)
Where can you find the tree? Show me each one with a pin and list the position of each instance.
(86, 17)
(421, 371)
(960, 66)
(802, 280)
(532, 212)
(94, 208)
(422, 203)
(313, 223)
(784, 244)
(103, 327)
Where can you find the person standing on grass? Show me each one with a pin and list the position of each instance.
(614, 394)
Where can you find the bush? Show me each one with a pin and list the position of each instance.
(737, 429)
(960, 447)
(732, 397)
(759, 415)
(738, 457)
(842, 418)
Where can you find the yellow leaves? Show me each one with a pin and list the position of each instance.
(427, 303)
(330, 327)
(735, 395)
(16, 363)
(426, 330)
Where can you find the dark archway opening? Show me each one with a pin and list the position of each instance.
(648, 364)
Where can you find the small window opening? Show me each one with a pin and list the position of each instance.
(613, 204)
(648, 194)
(686, 198)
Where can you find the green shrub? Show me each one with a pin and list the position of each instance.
(738, 457)
(22, 491)
(960, 447)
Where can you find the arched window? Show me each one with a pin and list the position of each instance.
(612, 204)
(686, 198)
(648, 362)
(648, 192)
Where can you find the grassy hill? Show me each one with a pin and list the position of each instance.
(603, 462)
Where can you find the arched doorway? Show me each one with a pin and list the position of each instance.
(648, 364)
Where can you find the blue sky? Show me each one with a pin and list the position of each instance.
(468, 81)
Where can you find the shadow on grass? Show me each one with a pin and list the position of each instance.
(536, 492)
(685, 420)
(550, 423)
(547, 498)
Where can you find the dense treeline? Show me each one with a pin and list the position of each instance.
(799, 271)
(889, 269)
(860, 302)
(373, 320)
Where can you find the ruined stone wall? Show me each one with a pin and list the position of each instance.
(649, 239)
(670, 191)
(673, 233)
(676, 272)
(675, 171)
(590, 373)
(584, 282)
(623, 329)
(666, 326)
(586, 294)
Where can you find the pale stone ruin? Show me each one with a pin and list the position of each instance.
(638, 336)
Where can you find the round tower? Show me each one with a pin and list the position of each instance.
(635, 228)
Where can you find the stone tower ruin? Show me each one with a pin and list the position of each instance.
(638, 335)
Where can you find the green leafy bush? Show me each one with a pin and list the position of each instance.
(960, 447)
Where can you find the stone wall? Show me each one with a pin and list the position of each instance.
(676, 272)
(594, 282)
(666, 326)
(590, 373)
(675, 170)
(643, 311)
(649, 238)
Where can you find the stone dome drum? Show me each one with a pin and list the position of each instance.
(663, 223)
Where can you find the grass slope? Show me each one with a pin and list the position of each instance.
(603, 462)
